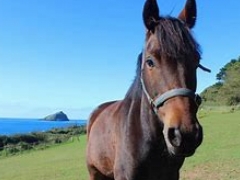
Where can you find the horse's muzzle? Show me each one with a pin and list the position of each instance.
(183, 143)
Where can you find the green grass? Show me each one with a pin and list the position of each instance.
(217, 158)
(61, 162)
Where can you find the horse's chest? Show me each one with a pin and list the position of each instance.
(158, 167)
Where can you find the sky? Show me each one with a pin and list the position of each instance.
(71, 55)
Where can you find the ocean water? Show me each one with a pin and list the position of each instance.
(11, 126)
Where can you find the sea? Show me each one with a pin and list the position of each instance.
(12, 126)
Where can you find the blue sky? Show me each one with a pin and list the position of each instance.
(73, 55)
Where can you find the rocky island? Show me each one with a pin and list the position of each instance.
(59, 116)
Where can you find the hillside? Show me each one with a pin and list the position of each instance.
(226, 91)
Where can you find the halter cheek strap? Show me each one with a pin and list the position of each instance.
(161, 99)
(173, 93)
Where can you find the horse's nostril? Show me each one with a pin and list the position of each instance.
(175, 137)
(199, 135)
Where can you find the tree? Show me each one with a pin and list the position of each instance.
(231, 86)
(221, 75)
(227, 90)
(211, 93)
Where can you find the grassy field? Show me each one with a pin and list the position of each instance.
(217, 158)
(61, 162)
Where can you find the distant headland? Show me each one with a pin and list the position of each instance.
(59, 116)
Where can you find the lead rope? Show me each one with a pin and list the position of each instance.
(204, 68)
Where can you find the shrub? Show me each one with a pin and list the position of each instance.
(21, 142)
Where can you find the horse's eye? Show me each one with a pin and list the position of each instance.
(150, 63)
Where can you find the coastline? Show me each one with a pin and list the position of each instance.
(11, 126)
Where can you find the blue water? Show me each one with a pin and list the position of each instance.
(11, 126)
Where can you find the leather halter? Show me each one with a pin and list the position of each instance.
(161, 99)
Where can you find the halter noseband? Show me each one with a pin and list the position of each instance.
(161, 99)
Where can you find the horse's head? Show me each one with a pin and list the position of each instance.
(169, 62)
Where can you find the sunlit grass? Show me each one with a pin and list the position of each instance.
(219, 155)
(63, 162)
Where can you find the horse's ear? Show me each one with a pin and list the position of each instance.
(150, 14)
(189, 13)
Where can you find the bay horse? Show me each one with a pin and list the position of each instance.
(148, 134)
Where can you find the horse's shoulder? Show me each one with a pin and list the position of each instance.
(96, 113)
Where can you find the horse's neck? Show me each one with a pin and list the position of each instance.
(143, 135)
(142, 120)
(149, 119)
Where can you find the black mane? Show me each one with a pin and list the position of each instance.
(175, 39)
(135, 89)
